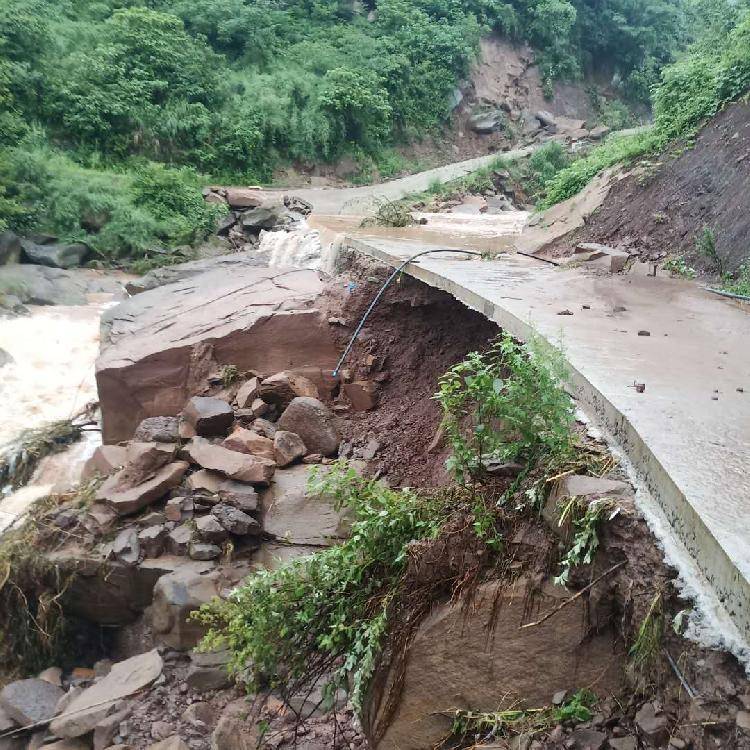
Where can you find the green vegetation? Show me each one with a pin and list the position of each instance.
(93, 91)
(705, 245)
(585, 520)
(713, 73)
(739, 283)
(470, 728)
(678, 267)
(326, 614)
(32, 588)
(505, 405)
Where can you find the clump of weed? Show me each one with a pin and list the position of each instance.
(506, 404)
(32, 588)
(229, 375)
(705, 245)
(473, 728)
(585, 519)
(390, 214)
(738, 284)
(21, 457)
(678, 267)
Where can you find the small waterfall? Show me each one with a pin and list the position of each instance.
(300, 247)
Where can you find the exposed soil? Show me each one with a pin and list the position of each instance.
(413, 336)
(661, 207)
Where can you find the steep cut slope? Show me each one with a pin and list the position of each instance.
(662, 208)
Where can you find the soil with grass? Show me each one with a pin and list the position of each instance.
(661, 208)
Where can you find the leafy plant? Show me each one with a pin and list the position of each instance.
(390, 213)
(505, 404)
(705, 245)
(325, 616)
(678, 267)
(472, 728)
(585, 520)
(645, 650)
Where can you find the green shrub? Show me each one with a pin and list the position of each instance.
(505, 404)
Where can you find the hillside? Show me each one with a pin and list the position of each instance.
(111, 110)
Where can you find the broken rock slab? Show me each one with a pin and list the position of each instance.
(125, 498)
(86, 710)
(247, 441)
(157, 430)
(238, 494)
(104, 460)
(238, 466)
(159, 347)
(288, 447)
(452, 664)
(292, 513)
(601, 256)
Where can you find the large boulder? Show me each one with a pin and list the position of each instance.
(314, 422)
(160, 346)
(88, 708)
(10, 248)
(55, 256)
(282, 387)
(238, 494)
(483, 660)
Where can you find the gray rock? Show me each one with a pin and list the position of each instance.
(30, 701)
(10, 248)
(290, 512)
(55, 256)
(623, 743)
(5, 358)
(237, 494)
(589, 739)
(153, 540)
(743, 720)
(236, 728)
(235, 521)
(262, 217)
(202, 551)
(314, 423)
(178, 541)
(208, 416)
(210, 530)
(176, 595)
(126, 547)
(108, 728)
(264, 427)
(170, 743)
(288, 447)
(546, 119)
(208, 671)
(158, 430)
(93, 705)
(487, 121)
(651, 723)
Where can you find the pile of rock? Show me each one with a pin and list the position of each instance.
(191, 483)
(252, 210)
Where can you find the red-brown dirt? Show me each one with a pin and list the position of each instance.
(413, 336)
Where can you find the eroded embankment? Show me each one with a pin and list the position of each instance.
(437, 582)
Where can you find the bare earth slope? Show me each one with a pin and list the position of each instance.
(660, 209)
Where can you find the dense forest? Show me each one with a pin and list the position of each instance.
(110, 109)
